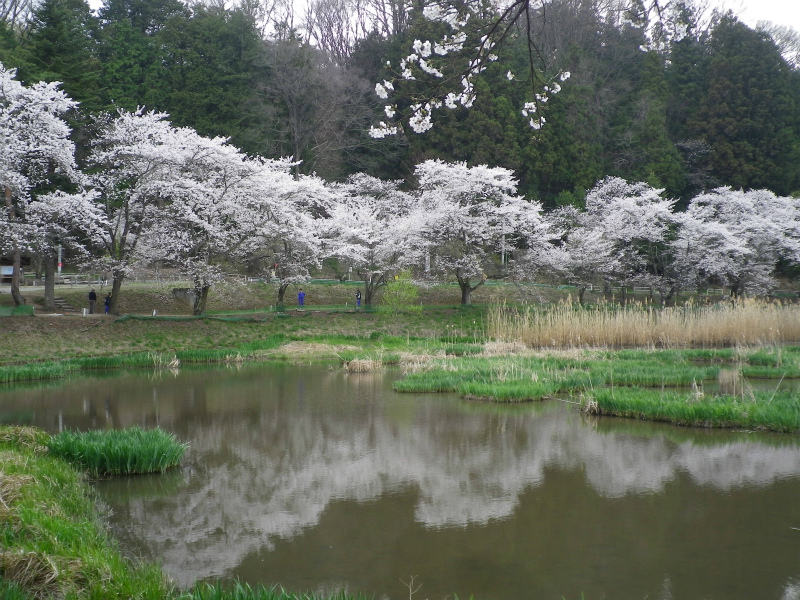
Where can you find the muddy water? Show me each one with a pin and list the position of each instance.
(316, 479)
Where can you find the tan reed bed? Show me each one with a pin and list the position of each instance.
(747, 323)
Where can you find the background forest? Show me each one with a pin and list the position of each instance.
(721, 106)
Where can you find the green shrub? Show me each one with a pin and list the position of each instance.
(400, 295)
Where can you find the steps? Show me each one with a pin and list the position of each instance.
(63, 306)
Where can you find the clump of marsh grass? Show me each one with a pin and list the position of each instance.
(10, 491)
(243, 591)
(362, 365)
(354, 362)
(119, 452)
(748, 322)
(497, 348)
(164, 361)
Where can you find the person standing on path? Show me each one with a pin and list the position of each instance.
(301, 296)
(92, 301)
(108, 302)
(358, 298)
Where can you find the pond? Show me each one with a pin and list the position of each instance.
(317, 480)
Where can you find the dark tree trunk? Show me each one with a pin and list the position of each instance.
(116, 286)
(200, 299)
(371, 286)
(15, 280)
(466, 292)
(467, 289)
(667, 298)
(581, 293)
(282, 287)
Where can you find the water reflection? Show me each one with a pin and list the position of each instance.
(317, 479)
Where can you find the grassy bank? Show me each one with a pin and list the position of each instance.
(53, 543)
(772, 411)
(49, 369)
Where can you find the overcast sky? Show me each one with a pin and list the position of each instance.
(782, 12)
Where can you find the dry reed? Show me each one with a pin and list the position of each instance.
(25, 437)
(362, 365)
(747, 323)
(10, 491)
(38, 573)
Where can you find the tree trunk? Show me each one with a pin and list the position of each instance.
(466, 288)
(282, 287)
(371, 286)
(581, 292)
(15, 275)
(15, 279)
(116, 285)
(200, 299)
(466, 291)
(668, 296)
(369, 292)
(49, 282)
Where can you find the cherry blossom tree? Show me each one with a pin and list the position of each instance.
(202, 220)
(638, 223)
(376, 228)
(471, 215)
(71, 220)
(582, 253)
(143, 162)
(34, 148)
(735, 238)
(288, 216)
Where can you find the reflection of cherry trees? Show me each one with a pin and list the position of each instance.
(273, 449)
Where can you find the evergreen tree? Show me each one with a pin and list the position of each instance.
(748, 114)
(660, 162)
(131, 51)
(209, 72)
(62, 47)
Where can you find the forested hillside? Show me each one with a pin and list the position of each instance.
(718, 106)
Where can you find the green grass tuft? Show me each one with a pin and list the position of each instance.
(119, 452)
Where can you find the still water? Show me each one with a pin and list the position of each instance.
(315, 479)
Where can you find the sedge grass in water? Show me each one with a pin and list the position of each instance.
(773, 411)
(243, 591)
(119, 452)
(622, 383)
